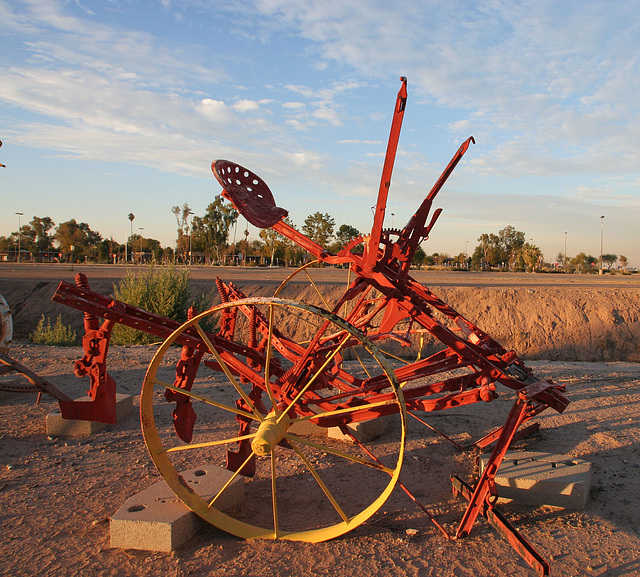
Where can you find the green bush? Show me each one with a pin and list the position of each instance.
(57, 335)
(161, 291)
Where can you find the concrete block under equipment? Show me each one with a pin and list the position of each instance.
(532, 478)
(156, 520)
(57, 426)
(363, 431)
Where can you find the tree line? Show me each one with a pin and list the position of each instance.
(214, 238)
(42, 241)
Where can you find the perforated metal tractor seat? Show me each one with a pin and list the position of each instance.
(249, 193)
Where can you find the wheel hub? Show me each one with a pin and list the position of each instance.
(270, 432)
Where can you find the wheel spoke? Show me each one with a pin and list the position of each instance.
(355, 352)
(346, 410)
(318, 372)
(274, 497)
(326, 304)
(208, 444)
(231, 479)
(337, 453)
(227, 371)
(403, 361)
(267, 362)
(207, 400)
(320, 482)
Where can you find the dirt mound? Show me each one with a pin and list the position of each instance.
(545, 322)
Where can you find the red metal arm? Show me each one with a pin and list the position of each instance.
(300, 239)
(385, 181)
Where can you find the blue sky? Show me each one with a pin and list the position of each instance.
(119, 106)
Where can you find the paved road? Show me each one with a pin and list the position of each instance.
(329, 275)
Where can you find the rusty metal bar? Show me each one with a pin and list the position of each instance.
(37, 381)
(500, 523)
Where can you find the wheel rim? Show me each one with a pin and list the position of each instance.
(303, 486)
(302, 285)
(302, 276)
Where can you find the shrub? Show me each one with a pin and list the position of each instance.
(57, 335)
(161, 291)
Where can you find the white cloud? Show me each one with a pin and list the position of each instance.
(246, 105)
(329, 115)
(556, 72)
(215, 110)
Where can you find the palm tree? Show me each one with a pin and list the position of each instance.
(131, 217)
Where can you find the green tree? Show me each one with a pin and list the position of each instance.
(319, 228)
(562, 259)
(78, 235)
(210, 232)
(511, 242)
(503, 249)
(460, 261)
(419, 257)
(609, 260)
(103, 251)
(142, 247)
(182, 242)
(346, 233)
(272, 243)
(531, 256)
(43, 237)
(583, 263)
(489, 250)
(624, 261)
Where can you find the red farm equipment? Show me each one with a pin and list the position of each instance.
(257, 378)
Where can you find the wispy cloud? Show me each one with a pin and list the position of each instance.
(561, 73)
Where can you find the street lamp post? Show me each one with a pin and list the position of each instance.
(564, 265)
(190, 241)
(141, 253)
(466, 254)
(19, 234)
(601, 242)
(131, 217)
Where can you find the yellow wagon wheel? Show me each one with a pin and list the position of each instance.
(285, 371)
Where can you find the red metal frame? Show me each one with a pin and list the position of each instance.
(382, 265)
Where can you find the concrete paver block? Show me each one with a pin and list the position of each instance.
(364, 431)
(58, 427)
(156, 520)
(543, 479)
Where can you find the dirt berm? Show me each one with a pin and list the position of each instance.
(552, 317)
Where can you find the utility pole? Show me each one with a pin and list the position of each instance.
(601, 242)
(19, 234)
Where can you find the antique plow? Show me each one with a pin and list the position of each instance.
(257, 379)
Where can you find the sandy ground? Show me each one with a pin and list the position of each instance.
(57, 494)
